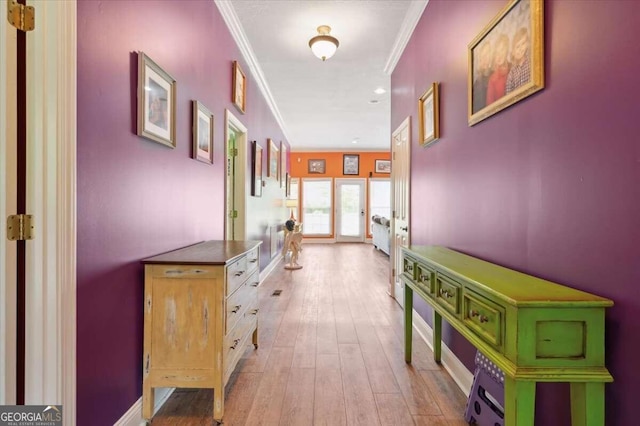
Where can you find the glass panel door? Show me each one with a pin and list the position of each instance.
(350, 196)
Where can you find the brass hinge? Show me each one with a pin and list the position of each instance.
(233, 214)
(19, 227)
(233, 152)
(393, 272)
(20, 16)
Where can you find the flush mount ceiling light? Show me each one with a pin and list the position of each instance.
(323, 45)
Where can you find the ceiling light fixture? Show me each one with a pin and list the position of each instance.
(379, 91)
(323, 45)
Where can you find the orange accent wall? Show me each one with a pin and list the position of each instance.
(299, 168)
(299, 164)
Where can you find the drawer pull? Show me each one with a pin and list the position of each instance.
(484, 318)
(174, 272)
(253, 260)
(255, 284)
(473, 313)
(424, 277)
(239, 273)
(236, 309)
(255, 312)
(235, 343)
(446, 293)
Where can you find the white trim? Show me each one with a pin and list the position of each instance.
(411, 19)
(242, 181)
(51, 197)
(362, 182)
(235, 28)
(133, 416)
(451, 363)
(270, 268)
(8, 189)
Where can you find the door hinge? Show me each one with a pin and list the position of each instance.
(20, 227)
(393, 272)
(233, 152)
(233, 214)
(20, 16)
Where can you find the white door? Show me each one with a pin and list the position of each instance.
(350, 210)
(8, 178)
(400, 179)
(236, 154)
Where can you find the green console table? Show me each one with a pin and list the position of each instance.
(533, 329)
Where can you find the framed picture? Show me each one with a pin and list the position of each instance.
(429, 115)
(273, 159)
(256, 169)
(316, 166)
(156, 102)
(383, 166)
(283, 163)
(506, 60)
(287, 191)
(202, 133)
(239, 85)
(351, 164)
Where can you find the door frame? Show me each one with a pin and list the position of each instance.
(8, 177)
(241, 181)
(50, 361)
(363, 207)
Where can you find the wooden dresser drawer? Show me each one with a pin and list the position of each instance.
(239, 301)
(236, 340)
(236, 275)
(484, 317)
(252, 260)
(425, 279)
(448, 293)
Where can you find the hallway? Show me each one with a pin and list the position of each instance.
(331, 353)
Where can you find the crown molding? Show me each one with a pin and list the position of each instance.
(411, 18)
(233, 23)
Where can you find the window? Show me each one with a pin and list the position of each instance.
(316, 206)
(379, 198)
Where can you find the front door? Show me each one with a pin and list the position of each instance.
(400, 178)
(350, 210)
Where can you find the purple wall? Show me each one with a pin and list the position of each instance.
(137, 198)
(549, 186)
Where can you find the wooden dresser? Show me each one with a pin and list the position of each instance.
(200, 310)
(533, 329)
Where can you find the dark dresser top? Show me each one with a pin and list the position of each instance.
(205, 253)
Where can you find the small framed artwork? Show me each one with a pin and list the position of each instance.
(429, 115)
(506, 60)
(156, 102)
(316, 167)
(287, 191)
(202, 133)
(383, 166)
(256, 169)
(283, 163)
(273, 159)
(351, 164)
(239, 85)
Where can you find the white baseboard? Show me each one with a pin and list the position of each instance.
(133, 416)
(270, 267)
(451, 363)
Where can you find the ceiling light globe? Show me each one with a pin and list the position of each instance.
(323, 45)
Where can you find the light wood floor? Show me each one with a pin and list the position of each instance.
(330, 353)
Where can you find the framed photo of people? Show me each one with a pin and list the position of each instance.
(506, 60)
(239, 88)
(156, 102)
(202, 133)
(429, 115)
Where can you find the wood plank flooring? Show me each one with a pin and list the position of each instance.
(330, 353)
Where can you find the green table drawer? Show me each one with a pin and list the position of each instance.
(409, 266)
(425, 279)
(484, 317)
(448, 293)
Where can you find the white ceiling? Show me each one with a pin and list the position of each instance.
(325, 105)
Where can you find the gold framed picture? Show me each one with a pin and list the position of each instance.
(256, 169)
(283, 163)
(429, 115)
(273, 158)
(506, 60)
(202, 133)
(239, 85)
(316, 167)
(156, 102)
